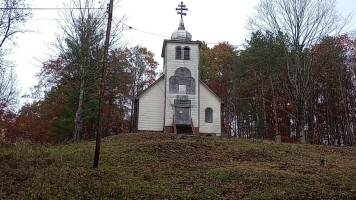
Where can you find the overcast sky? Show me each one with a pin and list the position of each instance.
(206, 20)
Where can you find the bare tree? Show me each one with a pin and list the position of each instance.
(304, 23)
(13, 14)
(8, 88)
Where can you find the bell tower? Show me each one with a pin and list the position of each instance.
(181, 72)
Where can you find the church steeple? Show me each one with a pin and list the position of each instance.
(181, 34)
(181, 25)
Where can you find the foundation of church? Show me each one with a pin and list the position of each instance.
(168, 129)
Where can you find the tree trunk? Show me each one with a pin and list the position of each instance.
(302, 134)
(78, 122)
(302, 131)
(264, 111)
(277, 135)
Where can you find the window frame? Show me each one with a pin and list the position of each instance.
(186, 53)
(209, 115)
(178, 55)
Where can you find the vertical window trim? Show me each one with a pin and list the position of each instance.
(178, 52)
(186, 51)
(209, 115)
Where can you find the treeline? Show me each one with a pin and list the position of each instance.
(291, 82)
(68, 100)
(67, 90)
(259, 98)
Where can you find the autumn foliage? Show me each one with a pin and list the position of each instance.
(255, 86)
(51, 118)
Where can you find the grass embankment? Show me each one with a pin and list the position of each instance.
(154, 166)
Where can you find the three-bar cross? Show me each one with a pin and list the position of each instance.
(181, 8)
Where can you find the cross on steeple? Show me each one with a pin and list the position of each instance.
(181, 8)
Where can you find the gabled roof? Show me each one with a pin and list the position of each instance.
(202, 82)
(149, 87)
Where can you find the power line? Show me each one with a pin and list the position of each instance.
(164, 36)
(214, 43)
(48, 8)
(51, 8)
(45, 19)
(131, 28)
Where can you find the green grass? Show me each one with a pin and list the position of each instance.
(154, 166)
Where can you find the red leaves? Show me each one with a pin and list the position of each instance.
(32, 126)
(51, 73)
(218, 70)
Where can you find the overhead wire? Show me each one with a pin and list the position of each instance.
(45, 19)
(132, 28)
(164, 36)
(211, 43)
(51, 8)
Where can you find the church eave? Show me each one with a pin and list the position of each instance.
(149, 87)
(206, 85)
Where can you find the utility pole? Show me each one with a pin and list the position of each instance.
(102, 88)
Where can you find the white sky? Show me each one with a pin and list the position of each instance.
(207, 20)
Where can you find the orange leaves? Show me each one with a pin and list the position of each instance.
(217, 68)
(33, 127)
(28, 126)
(223, 59)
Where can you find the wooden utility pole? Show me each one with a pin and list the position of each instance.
(102, 89)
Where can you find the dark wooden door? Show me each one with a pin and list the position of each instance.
(182, 115)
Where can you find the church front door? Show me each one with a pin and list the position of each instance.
(182, 109)
(182, 115)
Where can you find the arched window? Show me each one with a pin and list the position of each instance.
(208, 115)
(186, 53)
(178, 52)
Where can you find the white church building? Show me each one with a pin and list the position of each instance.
(178, 102)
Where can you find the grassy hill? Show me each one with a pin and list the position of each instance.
(157, 166)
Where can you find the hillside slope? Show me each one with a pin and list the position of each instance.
(158, 166)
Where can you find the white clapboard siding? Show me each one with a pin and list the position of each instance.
(171, 65)
(208, 99)
(151, 108)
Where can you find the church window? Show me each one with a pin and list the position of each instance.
(178, 52)
(186, 53)
(208, 115)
